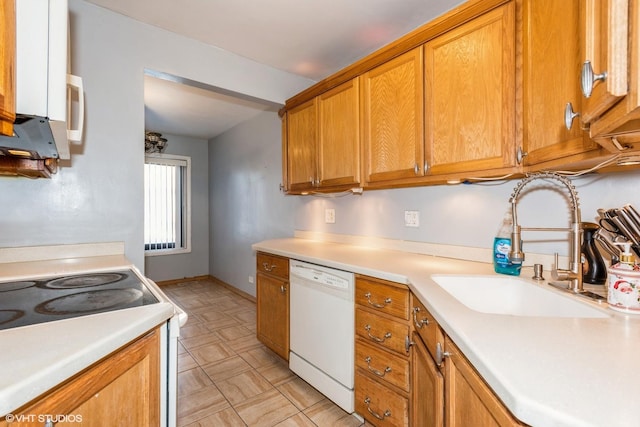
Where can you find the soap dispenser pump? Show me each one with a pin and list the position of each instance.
(623, 289)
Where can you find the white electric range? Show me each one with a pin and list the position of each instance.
(94, 300)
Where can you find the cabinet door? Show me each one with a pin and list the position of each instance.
(427, 393)
(392, 119)
(339, 136)
(273, 313)
(301, 146)
(470, 401)
(605, 47)
(551, 54)
(470, 95)
(123, 389)
(7, 66)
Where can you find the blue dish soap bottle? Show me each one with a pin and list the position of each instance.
(502, 247)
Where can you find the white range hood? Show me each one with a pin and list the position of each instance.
(42, 82)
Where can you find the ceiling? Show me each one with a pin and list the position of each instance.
(310, 38)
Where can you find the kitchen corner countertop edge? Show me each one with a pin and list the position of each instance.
(548, 371)
(37, 358)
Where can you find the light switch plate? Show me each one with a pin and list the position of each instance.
(330, 216)
(411, 218)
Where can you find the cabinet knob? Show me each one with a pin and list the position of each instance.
(416, 169)
(283, 289)
(569, 115)
(589, 78)
(407, 344)
(520, 155)
(440, 354)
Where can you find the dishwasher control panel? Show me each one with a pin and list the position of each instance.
(321, 275)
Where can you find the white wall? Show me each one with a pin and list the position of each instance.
(470, 215)
(196, 262)
(246, 206)
(97, 197)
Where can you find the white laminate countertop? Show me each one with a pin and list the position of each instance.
(36, 358)
(549, 371)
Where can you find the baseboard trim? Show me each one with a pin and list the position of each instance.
(183, 280)
(233, 289)
(210, 278)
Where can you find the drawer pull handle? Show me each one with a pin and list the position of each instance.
(266, 266)
(374, 304)
(376, 339)
(386, 413)
(375, 371)
(419, 323)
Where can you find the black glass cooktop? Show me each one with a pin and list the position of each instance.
(28, 302)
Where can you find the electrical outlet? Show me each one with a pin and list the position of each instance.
(250, 279)
(411, 218)
(330, 216)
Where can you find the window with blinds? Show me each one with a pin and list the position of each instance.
(167, 188)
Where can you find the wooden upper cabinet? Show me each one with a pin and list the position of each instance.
(392, 98)
(612, 43)
(551, 55)
(302, 146)
(606, 31)
(7, 66)
(339, 136)
(470, 95)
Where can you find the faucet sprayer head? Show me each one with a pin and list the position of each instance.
(516, 255)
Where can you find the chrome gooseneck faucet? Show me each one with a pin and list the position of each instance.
(516, 256)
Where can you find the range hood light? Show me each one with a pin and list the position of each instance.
(20, 153)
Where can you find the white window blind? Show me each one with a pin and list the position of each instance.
(166, 204)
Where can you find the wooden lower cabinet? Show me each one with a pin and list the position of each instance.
(380, 405)
(122, 389)
(427, 387)
(382, 384)
(272, 297)
(448, 390)
(470, 401)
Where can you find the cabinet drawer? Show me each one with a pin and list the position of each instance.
(273, 264)
(378, 404)
(382, 331)
(385, 366)
(426, 326)
(386, 297)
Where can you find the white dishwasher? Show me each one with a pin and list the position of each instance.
(322, 330)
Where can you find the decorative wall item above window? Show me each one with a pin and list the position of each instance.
(154, 142)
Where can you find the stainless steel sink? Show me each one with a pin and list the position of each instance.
(514, 296)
